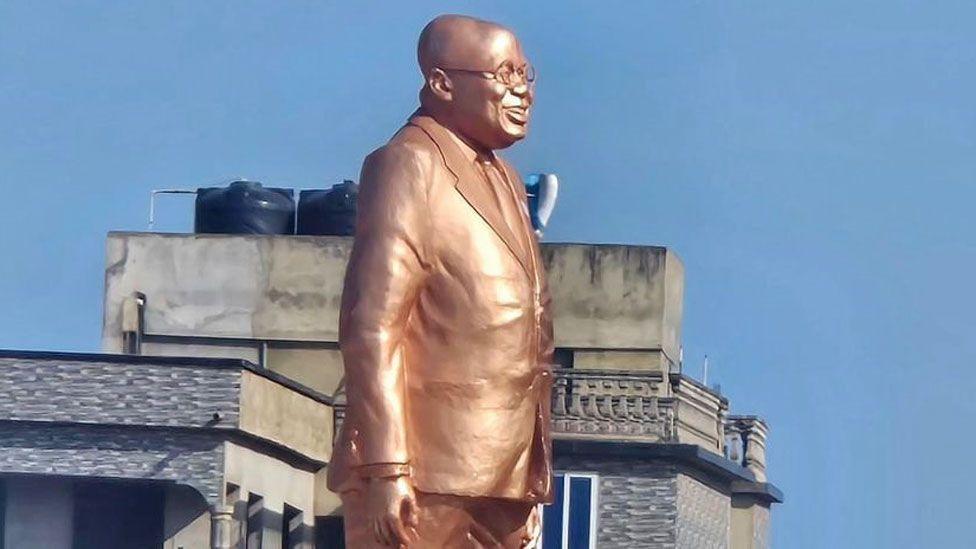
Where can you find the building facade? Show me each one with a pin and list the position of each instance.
(208, 419)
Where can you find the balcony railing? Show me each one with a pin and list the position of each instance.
(607, 404)
(745, 443)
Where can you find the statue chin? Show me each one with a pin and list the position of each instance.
(515, 130)
(508, 135)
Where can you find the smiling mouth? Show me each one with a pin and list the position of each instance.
(517, 115)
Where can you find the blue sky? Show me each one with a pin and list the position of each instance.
(813, 163)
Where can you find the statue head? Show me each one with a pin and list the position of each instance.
(477, 81)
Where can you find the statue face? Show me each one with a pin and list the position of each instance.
(492, 100)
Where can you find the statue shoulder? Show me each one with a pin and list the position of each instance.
(404, 160)
(410, 146)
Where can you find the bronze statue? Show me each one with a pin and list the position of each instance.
(445, 326)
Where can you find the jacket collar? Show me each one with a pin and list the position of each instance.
(469, 182)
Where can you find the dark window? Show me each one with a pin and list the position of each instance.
(329, 533)
(255, 521)
(118, 515)
(563, 358)
(291, 527)
(570, 521)
(552, 517)
(580, 493)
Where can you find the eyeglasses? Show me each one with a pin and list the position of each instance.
(506, 74)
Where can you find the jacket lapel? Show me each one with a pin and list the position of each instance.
(471, 185)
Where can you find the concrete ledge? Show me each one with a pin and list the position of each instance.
(763, 491)
(739, 479)
(231, 397)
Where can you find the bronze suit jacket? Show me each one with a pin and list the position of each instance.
(445, 328)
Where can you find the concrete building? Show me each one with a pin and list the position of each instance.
(208, 420)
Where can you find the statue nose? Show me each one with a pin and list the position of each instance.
(524, 92)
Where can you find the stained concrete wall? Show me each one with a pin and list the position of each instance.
(617, 305)
(616, 297)
(317, 368)
(227, 286)
(39, 513)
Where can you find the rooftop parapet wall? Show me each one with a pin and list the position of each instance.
(612, 297)
(284, 288)
(287, 288)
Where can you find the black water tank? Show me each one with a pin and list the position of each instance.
(245, 207)
(328, 212)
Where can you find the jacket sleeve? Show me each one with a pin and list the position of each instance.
(385, 274)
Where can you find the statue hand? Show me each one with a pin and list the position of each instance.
(392, 508)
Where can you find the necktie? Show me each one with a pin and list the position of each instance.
(507, 202)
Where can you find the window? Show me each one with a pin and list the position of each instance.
(292, 529)
(570, 522)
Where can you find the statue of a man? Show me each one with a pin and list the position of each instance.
(445, 327)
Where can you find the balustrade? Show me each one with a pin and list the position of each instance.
(745, 443)
(604, 404)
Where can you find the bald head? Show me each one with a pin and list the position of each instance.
(460, 58)
(458, 41)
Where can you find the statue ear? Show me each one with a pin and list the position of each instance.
(440, 85)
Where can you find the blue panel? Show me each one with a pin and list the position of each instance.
(552, 517)
(579, 512)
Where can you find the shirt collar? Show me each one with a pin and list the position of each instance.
(469, 152)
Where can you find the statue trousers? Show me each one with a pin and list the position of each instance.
(450, 522)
